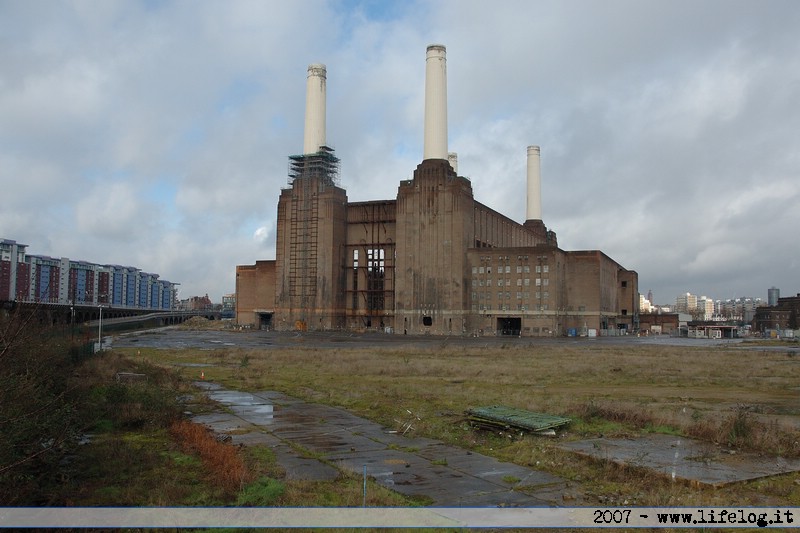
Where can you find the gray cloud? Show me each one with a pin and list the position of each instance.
(157, 133)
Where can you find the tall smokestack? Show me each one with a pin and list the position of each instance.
(435, 139)
(314, 133)
(534, 207)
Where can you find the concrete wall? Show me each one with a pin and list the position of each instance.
(255, 292)
(493, 229)
(595, 292)
(434, 231)
(310, 248)
(517, 284)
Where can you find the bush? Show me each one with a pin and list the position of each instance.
(39, 420)
(52, 392)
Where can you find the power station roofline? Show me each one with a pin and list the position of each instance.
(372, 202)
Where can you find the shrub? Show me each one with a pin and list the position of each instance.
(39, 421)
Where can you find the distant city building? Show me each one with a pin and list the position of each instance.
(782, 316)
(686, 303)
(645, 304)
(14, 271)
(660, 323)
(773, 294)
(705, 308)
(39, 278)
(196, 303)
(740, 309)
(228, 306)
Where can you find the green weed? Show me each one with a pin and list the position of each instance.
(261, 493)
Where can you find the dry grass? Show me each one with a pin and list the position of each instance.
(743, 429)
(676, 384)
(739, 398)
(222, 461)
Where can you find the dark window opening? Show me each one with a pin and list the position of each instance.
(355, 279)
(624, 284)
(376, 274)
(265, 321)
(509, 325)
(427, 321)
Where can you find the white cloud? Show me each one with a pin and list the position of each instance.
(156, 134)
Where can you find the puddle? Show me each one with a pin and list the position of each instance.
(245, 405)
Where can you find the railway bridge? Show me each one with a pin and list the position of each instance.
(57, 314)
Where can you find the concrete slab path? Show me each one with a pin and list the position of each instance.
(445, 476)
(679, 458)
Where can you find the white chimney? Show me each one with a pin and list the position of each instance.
(435, 139)
(314, 133)
(453, 158)
(534, 207)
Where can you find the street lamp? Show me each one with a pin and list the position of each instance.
(100, 330)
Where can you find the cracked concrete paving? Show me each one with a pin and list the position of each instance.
(420, 468)
(678, 458)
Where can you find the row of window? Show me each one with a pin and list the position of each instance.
(521, 295)
(507, 307)
(521, 282)
(507, 269)
(502, 258)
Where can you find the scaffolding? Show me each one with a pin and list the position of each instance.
(370, 289)
(309, 175)
(303, 250)
(323, 165)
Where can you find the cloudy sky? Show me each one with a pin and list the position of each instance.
(156, 133)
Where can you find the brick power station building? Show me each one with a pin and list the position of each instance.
(433, 260)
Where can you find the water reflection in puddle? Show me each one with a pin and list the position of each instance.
(244, 403)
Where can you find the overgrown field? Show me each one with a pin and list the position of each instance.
(735, 399)
(73, 432)
(78, 429)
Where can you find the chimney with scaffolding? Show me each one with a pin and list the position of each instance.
(312, 224)
(318, 159)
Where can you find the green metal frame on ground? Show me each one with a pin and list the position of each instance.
(499, 415)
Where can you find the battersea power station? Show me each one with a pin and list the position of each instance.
(433, 260)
